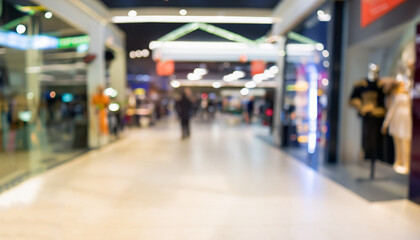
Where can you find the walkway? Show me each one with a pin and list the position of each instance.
(223, 183)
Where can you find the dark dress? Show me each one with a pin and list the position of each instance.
(372, 140)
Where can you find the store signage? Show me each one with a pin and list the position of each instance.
(72, 42)
(375, 9)
(23, 42)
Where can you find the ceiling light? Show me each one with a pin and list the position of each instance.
(189, 19)
(269, 74)
(111, 92)
(48, 15)
(274, 69)
(326, 64)
(139, 54)
(201, 71)
(145, 53)
(325, 53)
(132, 13)
(21, 29)
(183, 12)
(175, 84)
(258, 78)
(30, 95)
(325, 82)
(229, 78)
(113, 107)
(323, 17)
(244, 91)
(320, 12)
(239, 74)
(250, 84)
(319, 46)
(217, 85)
(133, 54)
(193, 77)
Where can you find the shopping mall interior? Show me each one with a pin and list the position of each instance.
(209, 119)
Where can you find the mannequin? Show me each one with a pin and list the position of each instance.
(368, 99)
(102, 101)
(398, 119)
(399, 116)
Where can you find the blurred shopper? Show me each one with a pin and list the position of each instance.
(184, 110)
(250, 109)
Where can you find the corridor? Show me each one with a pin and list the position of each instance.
(224, 183)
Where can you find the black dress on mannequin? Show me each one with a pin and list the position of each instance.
(370, 93)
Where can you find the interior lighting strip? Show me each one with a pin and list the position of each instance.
(184, 30)
(191, 19)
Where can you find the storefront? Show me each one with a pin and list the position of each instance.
(45, 99)
(375, 112)
(306, 88)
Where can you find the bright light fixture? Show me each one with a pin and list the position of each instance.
(323, 17)
(259, 78)
(193, 77)
(250, 84)
(189, 19)
(133, 54)
(30, 95)
(319, 46)
(325, 82)
(325, 53)
(111, 92)
(21, 29)
(229, 78)
(201, 71)
(48, 15)
(274, 69)
(183, 12)
(113, 107)
(175, 84)
(326, 64)
(239, 74)
(132, 13)
(244, 91)
(139, 53)
(217, 85)
(269, 74)
(145, 53)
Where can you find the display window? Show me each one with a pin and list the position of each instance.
(305, 88)
(43, 98)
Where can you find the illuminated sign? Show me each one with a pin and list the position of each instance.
(23, 42)
(375, 9)
(72, 42)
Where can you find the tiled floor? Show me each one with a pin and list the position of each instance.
(223, 183)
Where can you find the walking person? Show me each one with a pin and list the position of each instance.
(184, 109)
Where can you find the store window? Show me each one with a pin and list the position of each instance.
(306, 81)
(43, 99)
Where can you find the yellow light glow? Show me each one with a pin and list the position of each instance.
(303, 139)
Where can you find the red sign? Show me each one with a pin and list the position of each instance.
(374, 9)
(165, 68)
(257, 67)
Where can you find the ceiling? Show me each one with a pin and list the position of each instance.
(192, 3)
(139, 35)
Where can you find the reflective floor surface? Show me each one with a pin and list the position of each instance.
(223, 183)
